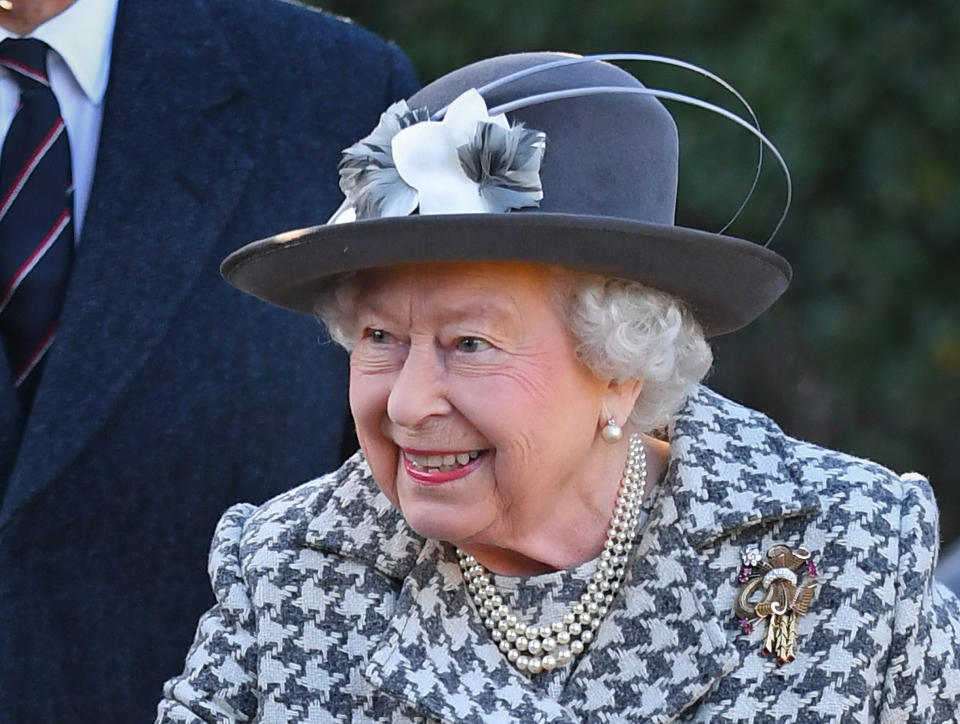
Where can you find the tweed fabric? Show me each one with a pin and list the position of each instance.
(331, 609)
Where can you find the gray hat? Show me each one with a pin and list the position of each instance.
(587, 181)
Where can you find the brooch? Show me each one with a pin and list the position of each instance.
(785, 585)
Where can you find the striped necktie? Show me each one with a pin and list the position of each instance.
(36, 216)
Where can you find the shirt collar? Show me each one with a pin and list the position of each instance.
(82, 36)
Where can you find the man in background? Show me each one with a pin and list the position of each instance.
(139, 395)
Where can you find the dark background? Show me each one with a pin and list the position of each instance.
(863, 100)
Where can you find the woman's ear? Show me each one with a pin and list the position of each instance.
(618, 401)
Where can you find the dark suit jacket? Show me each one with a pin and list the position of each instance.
(167, 394)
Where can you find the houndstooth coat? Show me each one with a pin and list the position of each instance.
(331, 609)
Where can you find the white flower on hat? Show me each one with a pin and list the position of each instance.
(469, 162)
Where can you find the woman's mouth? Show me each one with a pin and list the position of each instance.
(434, 468)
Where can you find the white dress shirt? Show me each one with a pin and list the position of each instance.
(78, 65)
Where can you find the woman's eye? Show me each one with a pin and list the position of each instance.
(379, 336)
(472, 344)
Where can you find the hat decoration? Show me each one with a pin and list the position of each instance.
(468, 162)
(543, 158)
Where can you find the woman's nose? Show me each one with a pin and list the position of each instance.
(418, 391)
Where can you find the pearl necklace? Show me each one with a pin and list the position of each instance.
(534, 649)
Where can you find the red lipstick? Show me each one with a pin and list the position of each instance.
(438, 477)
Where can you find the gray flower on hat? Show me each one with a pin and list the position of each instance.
(368, 175)
(505, 163)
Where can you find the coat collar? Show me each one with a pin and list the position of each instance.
(156, 209)
(352, 518)
(666, 639)
(732, 468)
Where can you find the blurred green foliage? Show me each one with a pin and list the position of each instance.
(863, 99)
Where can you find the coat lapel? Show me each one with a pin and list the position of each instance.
(734, 469)
(670, 635)
(156, 209)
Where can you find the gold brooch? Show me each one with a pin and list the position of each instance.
(786, 582)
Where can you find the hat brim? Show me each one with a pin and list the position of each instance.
(727, 282)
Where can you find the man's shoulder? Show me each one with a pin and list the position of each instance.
(270, 29)
(270, 15)
(312, 67)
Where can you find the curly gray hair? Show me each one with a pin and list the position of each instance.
(623, 331)
(628, 331)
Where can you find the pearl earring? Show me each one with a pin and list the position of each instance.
(611, 432)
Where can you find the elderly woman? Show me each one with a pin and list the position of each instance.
(549, 519)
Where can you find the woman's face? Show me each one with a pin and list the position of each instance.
(471, 407)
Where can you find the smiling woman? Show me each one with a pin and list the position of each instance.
(549, 518)
(477, 359)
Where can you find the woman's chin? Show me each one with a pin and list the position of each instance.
(444, 505)
(439, 522)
